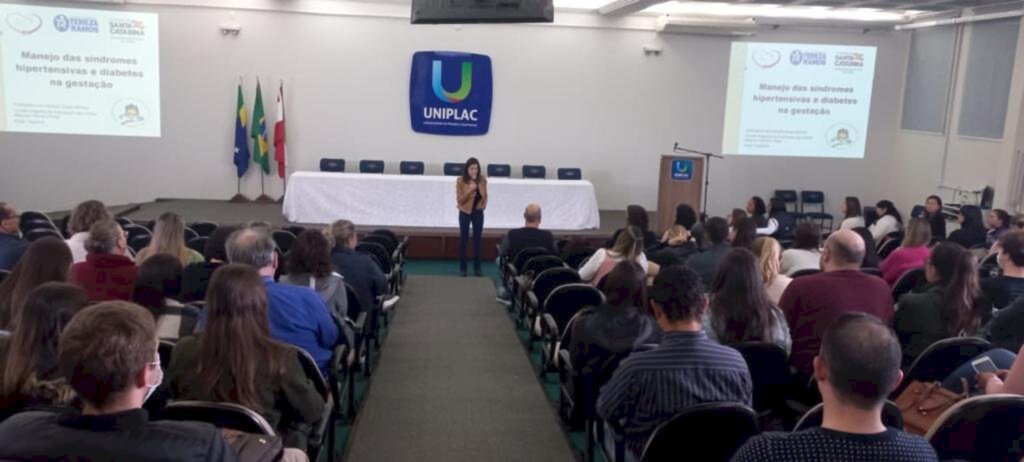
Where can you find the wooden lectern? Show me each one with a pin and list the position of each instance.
(681, 181)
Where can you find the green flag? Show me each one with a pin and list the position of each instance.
(260, 151)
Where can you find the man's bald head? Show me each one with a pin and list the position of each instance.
(251, 246)
(532, 214)
(845, 250)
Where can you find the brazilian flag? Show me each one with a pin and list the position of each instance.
(260, 148)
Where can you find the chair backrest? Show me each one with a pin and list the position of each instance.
(988, 427)
(815, 198)
(550, 279)
(941, 358)
(332, 165)
(131, 231)
(563, 302)
(454, 168)
(197, 243)
(805, 272)
(570, 174)
(386, 232)
(535, 171)
(786, 195)
(31, 215)
(356, 304)
(917, 211)
(28, 225)
(388, 243)
(542, 262)
(313, 373)
(872, 271)
(892, 417)
(294, 229)
(769, 372)
(377, 251)
(499, 170)
(190, 234)
(519, 260)
(719, 429)
(409, 167)
(204, 228)
(33, 234)
(908, 282)
(220, 415)
(139, 242)
(888, 247)
(578, 256)
(371, 166)
(164, 349)
(283, 239)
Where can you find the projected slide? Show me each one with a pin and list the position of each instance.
(89, 72)
(803, 100)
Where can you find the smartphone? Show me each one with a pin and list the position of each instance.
(984, 365)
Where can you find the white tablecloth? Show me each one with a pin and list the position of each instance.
(429, 201)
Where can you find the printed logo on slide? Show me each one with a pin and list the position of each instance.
(130, 112)
(848, 60)
(127, 29)
(841, 136)
(24, 24)
(766, 59)
(465, 86)
(807, 58)
(76, 24)
(450, 93)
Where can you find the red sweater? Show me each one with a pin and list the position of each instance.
(106, 276)
(811, 303)
(902, 260)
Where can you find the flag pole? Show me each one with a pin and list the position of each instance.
(284, 177)
(239, 198)
(263, 197)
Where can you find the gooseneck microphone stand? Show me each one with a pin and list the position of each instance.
(707, 175)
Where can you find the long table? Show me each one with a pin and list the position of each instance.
(429, 201)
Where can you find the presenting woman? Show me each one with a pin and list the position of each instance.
(471, 198)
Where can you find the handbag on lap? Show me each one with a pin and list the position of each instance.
(250, 447)
(923, 403)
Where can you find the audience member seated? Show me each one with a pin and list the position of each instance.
(234, 359)
(1018, 222)
(1003, 290)
(530, 235)
(757, 211)
(705, 264)
(686, 217)
(309, 265)
(813, 302)
(107, 273)
(358, 269)
(676, 247)
(933, 214)
(912, 253)
(805, 252)
(998, 222)
(739, 309)
(1009, 379)
(80, 222)
(196, 276)
(635, 216)
(780, 222)
(158, 289)
(108, 353)
(297, 314)
(870, 255)
(769, 258)
(45, 260)
(856, 369)
(686, 369)
(12, 246)
(601, 337)
(972, 231)
(951, 307)
(29, 373)
(629, 246)
(853, 217)
(743, 233)
(169, 238)
(889, 221)
(736, 214)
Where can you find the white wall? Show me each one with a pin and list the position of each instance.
(563, 96)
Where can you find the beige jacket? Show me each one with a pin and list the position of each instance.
(464, 195)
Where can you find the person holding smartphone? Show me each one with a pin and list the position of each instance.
(995, 371)
(471, 199)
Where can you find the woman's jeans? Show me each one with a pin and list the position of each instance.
(477, 220)
(1001, 358)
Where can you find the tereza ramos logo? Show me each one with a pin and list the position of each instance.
(808, 58)
(434, 109)
(76, 24)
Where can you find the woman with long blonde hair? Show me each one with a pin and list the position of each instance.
(169, 238)
(769, 261)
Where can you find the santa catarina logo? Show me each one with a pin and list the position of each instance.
(450, 93)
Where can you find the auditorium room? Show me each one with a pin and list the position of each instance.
(512, 230)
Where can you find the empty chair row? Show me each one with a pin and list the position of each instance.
(451, 169)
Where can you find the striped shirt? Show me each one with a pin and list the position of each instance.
(651, 387)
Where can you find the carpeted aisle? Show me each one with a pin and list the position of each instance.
(453, 384)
